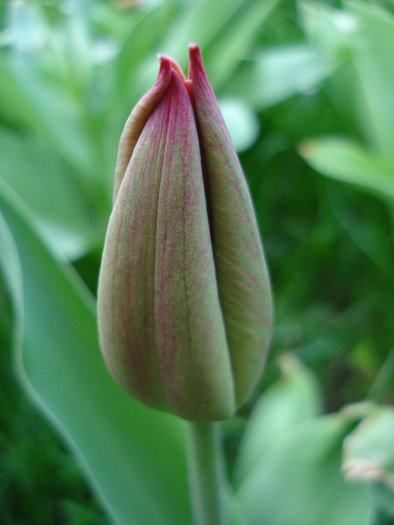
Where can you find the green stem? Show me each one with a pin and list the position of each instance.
(205, 473)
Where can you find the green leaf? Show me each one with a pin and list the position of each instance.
(200, 23)
(368, 451)
(328, 30)
(294, 398)
(147, 32)
(298, 482)
(365, 34)
(34, 103)
(275, 75)
(166, 32)
(47, 186)
(224, 53)
(133, 456)
(373, 59)
(345, 160)
(11, 270)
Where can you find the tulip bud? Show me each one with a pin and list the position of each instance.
(184, 303)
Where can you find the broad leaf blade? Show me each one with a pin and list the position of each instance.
(52, 191)
(34, 103)
(373, 59)
(235, 40)
(200, 23)
(294, 398)
(368, 451)
(345, 160)
(277, 74)
(299, 481)
(133, 456)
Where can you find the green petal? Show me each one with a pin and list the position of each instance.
(243, 281)
(161, 326)
(136, 122)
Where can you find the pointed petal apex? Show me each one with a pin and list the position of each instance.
(160, 323)
(184, 304)
(243, 282)
(137, 120)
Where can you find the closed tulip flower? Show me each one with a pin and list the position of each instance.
(184, 303)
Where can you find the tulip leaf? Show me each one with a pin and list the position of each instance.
(11, 272)
(275, 75)
(28, 100)
(364, 33)
(368, 451)
(328, 29)
(45, 183)
(197, 22)
(133, 456)
(375, 69)
(294, 398)
(299, 482)
(234, 42)
(345, 160)
(200, 23)
(147, 32)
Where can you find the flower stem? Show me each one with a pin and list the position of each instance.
(205, 473)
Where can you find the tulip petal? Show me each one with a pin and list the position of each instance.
(160, 321)
(137, 120)
(243, 282)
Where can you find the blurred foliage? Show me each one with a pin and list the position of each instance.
(306, 88)
(39, 480)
